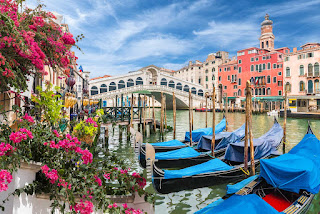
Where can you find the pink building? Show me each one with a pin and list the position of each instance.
(301, 76)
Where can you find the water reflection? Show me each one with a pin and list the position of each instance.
(191, 201)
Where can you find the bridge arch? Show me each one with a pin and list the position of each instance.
(193, 90)
(179, 86)
(130, 83)
(112, 86)
(186, 88)
(103, 88)
(121, 84)
(164, 81)
(200, 92)
(94, 90)
(139, 81)
(171, 84)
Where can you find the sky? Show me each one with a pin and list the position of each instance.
(126, 35)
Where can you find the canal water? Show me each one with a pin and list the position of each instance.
(186, 202)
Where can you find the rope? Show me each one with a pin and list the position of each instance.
(245, 172)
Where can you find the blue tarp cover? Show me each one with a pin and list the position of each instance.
(233, 188)
(196, 134)
(297, 170)
(186, 152)
(209, 166)
(207, 209)
(264, 145)
(205, 140)
(238, 204)
(169, 143)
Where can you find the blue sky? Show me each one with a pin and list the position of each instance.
(125, 35)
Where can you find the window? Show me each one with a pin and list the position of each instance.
(269, 65)
(301, 70)
(286, 59)
(225, 69)
(257, 67)
(235, 87)
(240, 61)
(279, 83)
(207, 79)
(263, 66)
(279, 73)
(302, 86)
(220, 78)
(310, 70)
(268, 79)
(274, 79)
(239, 81)
(239, 69)
(288, 87)
(199, 81)
(264, 58)
(252, 67)
(268, 91)
(213, 69)
(260, 67)
(263, 91)
(228, 77)
(257, 59)
(310, 86)
(240, 53)
(225, 87)
(239, 92)
(213, 77)
(309, 54)
(251, 59)
(206, 71)
(316, 69)
(279, 93)
(287, 72)
(274, 66)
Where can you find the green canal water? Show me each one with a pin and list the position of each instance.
(186, 202)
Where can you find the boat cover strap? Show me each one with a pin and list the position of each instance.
(246, 204)
(169, 143)
(206, 167)
(233, 188)
(186, 152)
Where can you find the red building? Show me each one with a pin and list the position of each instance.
(261, 66)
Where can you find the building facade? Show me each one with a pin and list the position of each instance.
(301, 76)
(262, 67)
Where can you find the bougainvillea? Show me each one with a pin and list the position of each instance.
(5, 149)
(5, 179)
(29, 41)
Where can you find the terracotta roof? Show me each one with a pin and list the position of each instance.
(229, 63)
(95, 78)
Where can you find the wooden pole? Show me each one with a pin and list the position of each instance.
(213, 141)
(245, 161)
(206, 111)
(154, 116)
(220, 95)
(174, 114)
(144, 114)
(253, 170)
(131, 122)
(190, 118)
(284, 123)
(226, 112)
(149, 107)
(162, 114)
(165, 113)
(192, 113)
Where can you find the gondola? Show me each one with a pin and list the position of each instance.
(192, 157)
(203, 109)
(188, 156)
(287, 184)
(219, 170)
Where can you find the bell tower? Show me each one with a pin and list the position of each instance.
(267, 37)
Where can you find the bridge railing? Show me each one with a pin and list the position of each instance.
(146, 87)
(121, 113)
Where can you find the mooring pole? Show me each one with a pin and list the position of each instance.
(190, 118)
(206, 110)
(149, 107)
(144, 114)
(245, 161)
(213, 141)
(162, 115)
(154, 116)
(253, 170)
(285, 123)
(131, 121)
(174, 114)
(165, 113)
(226, 112)
(192, 112)
(121, 107)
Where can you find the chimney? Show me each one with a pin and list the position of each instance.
(294, 50)
(190, 63)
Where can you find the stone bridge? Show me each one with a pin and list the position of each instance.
(152, 79)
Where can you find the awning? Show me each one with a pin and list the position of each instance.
(268, 98)
(232, 98)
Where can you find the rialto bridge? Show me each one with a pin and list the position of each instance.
(151, 79)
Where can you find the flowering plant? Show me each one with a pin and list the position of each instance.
(86, 130)
(30, 41)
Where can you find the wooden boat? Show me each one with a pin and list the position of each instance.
(216, 171)
(203, 110)
(282, 186)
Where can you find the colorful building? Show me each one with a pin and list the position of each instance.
(301, 76)
(261, 66)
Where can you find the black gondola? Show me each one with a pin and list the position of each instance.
(283, 186)
(217, 172)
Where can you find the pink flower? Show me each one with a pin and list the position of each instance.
(5, 179)
(86, 156)
(84, 207)
(115, 205)
(17, 137)
(125, 206)
(28, 118)
(110, 206)
(51, 175)
(98, 180)
(5, 149)
(56, 133)
(107, 176)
